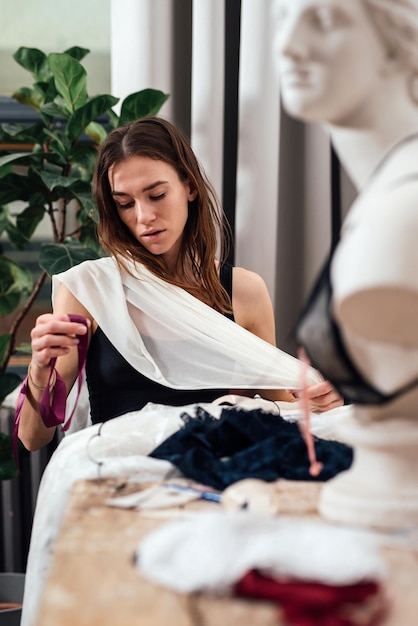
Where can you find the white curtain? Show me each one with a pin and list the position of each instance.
(207, 87)
(258, 147)
(141, 47)
(282, 202)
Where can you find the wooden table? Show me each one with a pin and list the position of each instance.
(93, 581)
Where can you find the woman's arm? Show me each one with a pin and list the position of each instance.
(52, 336)
(253, 310)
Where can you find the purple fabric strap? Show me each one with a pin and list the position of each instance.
(52, 409)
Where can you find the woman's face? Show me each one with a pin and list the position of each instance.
(153, 203)
(330, 59)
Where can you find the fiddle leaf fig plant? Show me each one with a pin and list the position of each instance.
(52, 178)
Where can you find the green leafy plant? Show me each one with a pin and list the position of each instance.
(53, 176)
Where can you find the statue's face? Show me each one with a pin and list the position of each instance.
(330, 59)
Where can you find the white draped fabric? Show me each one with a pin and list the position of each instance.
(125, 443)
(173, 338)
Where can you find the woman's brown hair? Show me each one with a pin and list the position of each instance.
(206, 232)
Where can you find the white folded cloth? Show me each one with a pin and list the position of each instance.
(214, 550)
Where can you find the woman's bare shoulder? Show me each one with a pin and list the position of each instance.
(247, 282)
(252, 304)
(66, 302)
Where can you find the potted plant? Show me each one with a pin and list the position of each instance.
(45, 173)
(52, 177)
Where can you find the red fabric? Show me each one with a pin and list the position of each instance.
(313, 604)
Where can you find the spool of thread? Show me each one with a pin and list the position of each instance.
(252, 494)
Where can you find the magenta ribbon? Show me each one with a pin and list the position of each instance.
(52, 409)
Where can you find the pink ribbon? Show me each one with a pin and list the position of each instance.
(52, 409)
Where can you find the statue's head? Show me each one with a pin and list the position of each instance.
(334, 55)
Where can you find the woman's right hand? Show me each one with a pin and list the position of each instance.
(52, 336)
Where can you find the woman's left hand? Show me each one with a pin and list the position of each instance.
(322, 397)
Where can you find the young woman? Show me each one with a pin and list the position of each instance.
(160, 222)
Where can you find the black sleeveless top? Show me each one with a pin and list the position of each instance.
(115, 387)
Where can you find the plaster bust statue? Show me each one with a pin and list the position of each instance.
(353, 68)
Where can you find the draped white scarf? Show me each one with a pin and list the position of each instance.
(172, 337)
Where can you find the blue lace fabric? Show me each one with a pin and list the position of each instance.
(247, 444)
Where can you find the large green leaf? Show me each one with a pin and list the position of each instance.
(16, 237)
(8, 383)
(113, 119)
(53, 180)
(19, 133)
(4, 342)
(88, 236)
(21, 187)
(59, 143)
(47, 88)
(55, 109)
(12, 157)
(15, 281)
(77, 53)
(59, 257)
(28, 220)
(84, 156)
(70, 79)
(6, 226)
(88, 209)
(34, 61)
(4, 218)
(141, 104)
(5, 170)
(89, 112)
(14, 187)
(96, 132)
(31, 97)
(80, 186)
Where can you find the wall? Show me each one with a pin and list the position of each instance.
(53, 26)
